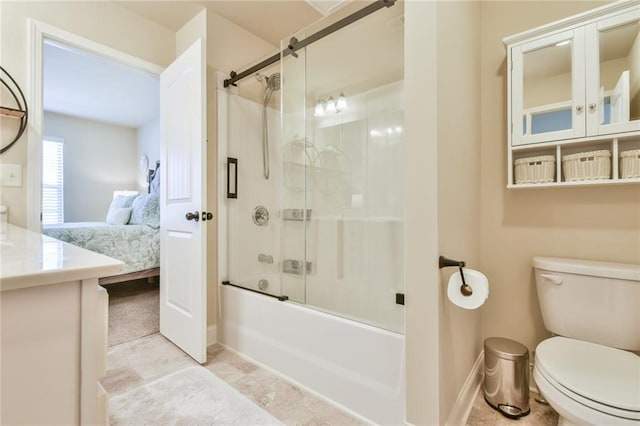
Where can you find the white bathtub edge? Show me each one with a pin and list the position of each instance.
(293, 340)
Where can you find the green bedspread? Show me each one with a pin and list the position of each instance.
(138, 246)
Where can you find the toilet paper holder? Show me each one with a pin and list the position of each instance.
(444, 262)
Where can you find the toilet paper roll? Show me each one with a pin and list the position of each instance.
(478, 283)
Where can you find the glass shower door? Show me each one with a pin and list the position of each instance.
(296, 160)
(342, 214)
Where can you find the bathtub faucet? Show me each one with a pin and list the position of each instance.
(265, 258)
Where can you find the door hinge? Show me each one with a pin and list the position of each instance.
(399, 298)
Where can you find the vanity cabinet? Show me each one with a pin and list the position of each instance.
(53, 331)
(574, 86)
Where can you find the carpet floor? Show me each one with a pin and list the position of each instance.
(191, 396)
(134, 310)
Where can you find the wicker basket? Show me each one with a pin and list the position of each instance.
(590, 165)
(535, 169)
(630, 164)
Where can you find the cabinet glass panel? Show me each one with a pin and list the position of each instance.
(619, 91)
(547, 97)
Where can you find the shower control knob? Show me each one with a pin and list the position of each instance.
(260, 216)
(193, 216)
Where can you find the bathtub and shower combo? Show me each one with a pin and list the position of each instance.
(311, 214)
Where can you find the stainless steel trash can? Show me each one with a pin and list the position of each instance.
(506, 376)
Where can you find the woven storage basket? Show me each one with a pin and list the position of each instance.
(535, 169)
(630, 164)
(590, 165)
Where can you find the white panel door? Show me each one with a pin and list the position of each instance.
(183, 269)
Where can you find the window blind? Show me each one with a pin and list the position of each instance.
(52, 181)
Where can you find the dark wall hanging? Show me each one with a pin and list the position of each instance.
(18, 111)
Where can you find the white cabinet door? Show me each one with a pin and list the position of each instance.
(547, 93)
(183, 289)
(613, 74)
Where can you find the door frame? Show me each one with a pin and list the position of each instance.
(38, 33)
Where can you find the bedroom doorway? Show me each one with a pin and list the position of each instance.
(101, 143)
(183, 105)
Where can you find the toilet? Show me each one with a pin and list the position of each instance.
(588, 372)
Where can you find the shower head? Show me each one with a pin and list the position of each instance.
(273, 81)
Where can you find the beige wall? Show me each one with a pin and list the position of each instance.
(421, 214)
(458, 186)
(99, 158)
(230, 47)
(102, 22)
(442, 207)
(601, 223)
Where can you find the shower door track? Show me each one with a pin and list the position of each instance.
(280, 298)
(295, 44)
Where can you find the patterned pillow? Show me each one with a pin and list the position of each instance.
(145, 210)
(119, 202)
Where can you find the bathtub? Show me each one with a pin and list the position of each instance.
(355, 366)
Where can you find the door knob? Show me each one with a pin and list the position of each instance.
(207, 216)
(193, 216)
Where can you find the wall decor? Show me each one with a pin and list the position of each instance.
(18, 111)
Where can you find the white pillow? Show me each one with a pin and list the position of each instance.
(121, 201)
(119, 216)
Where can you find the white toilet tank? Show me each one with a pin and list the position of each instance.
(593, 301)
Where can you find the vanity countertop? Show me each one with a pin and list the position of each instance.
(30, 259)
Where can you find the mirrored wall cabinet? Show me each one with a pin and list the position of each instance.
(574, 100)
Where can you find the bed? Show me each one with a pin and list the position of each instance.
(130, 234)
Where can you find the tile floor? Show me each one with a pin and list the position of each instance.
(134, 363)
(483, 415)
(140, 361)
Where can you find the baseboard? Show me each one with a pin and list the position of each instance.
(467, 395)
(212, 334)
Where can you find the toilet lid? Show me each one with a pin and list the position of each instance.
(599, 373)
